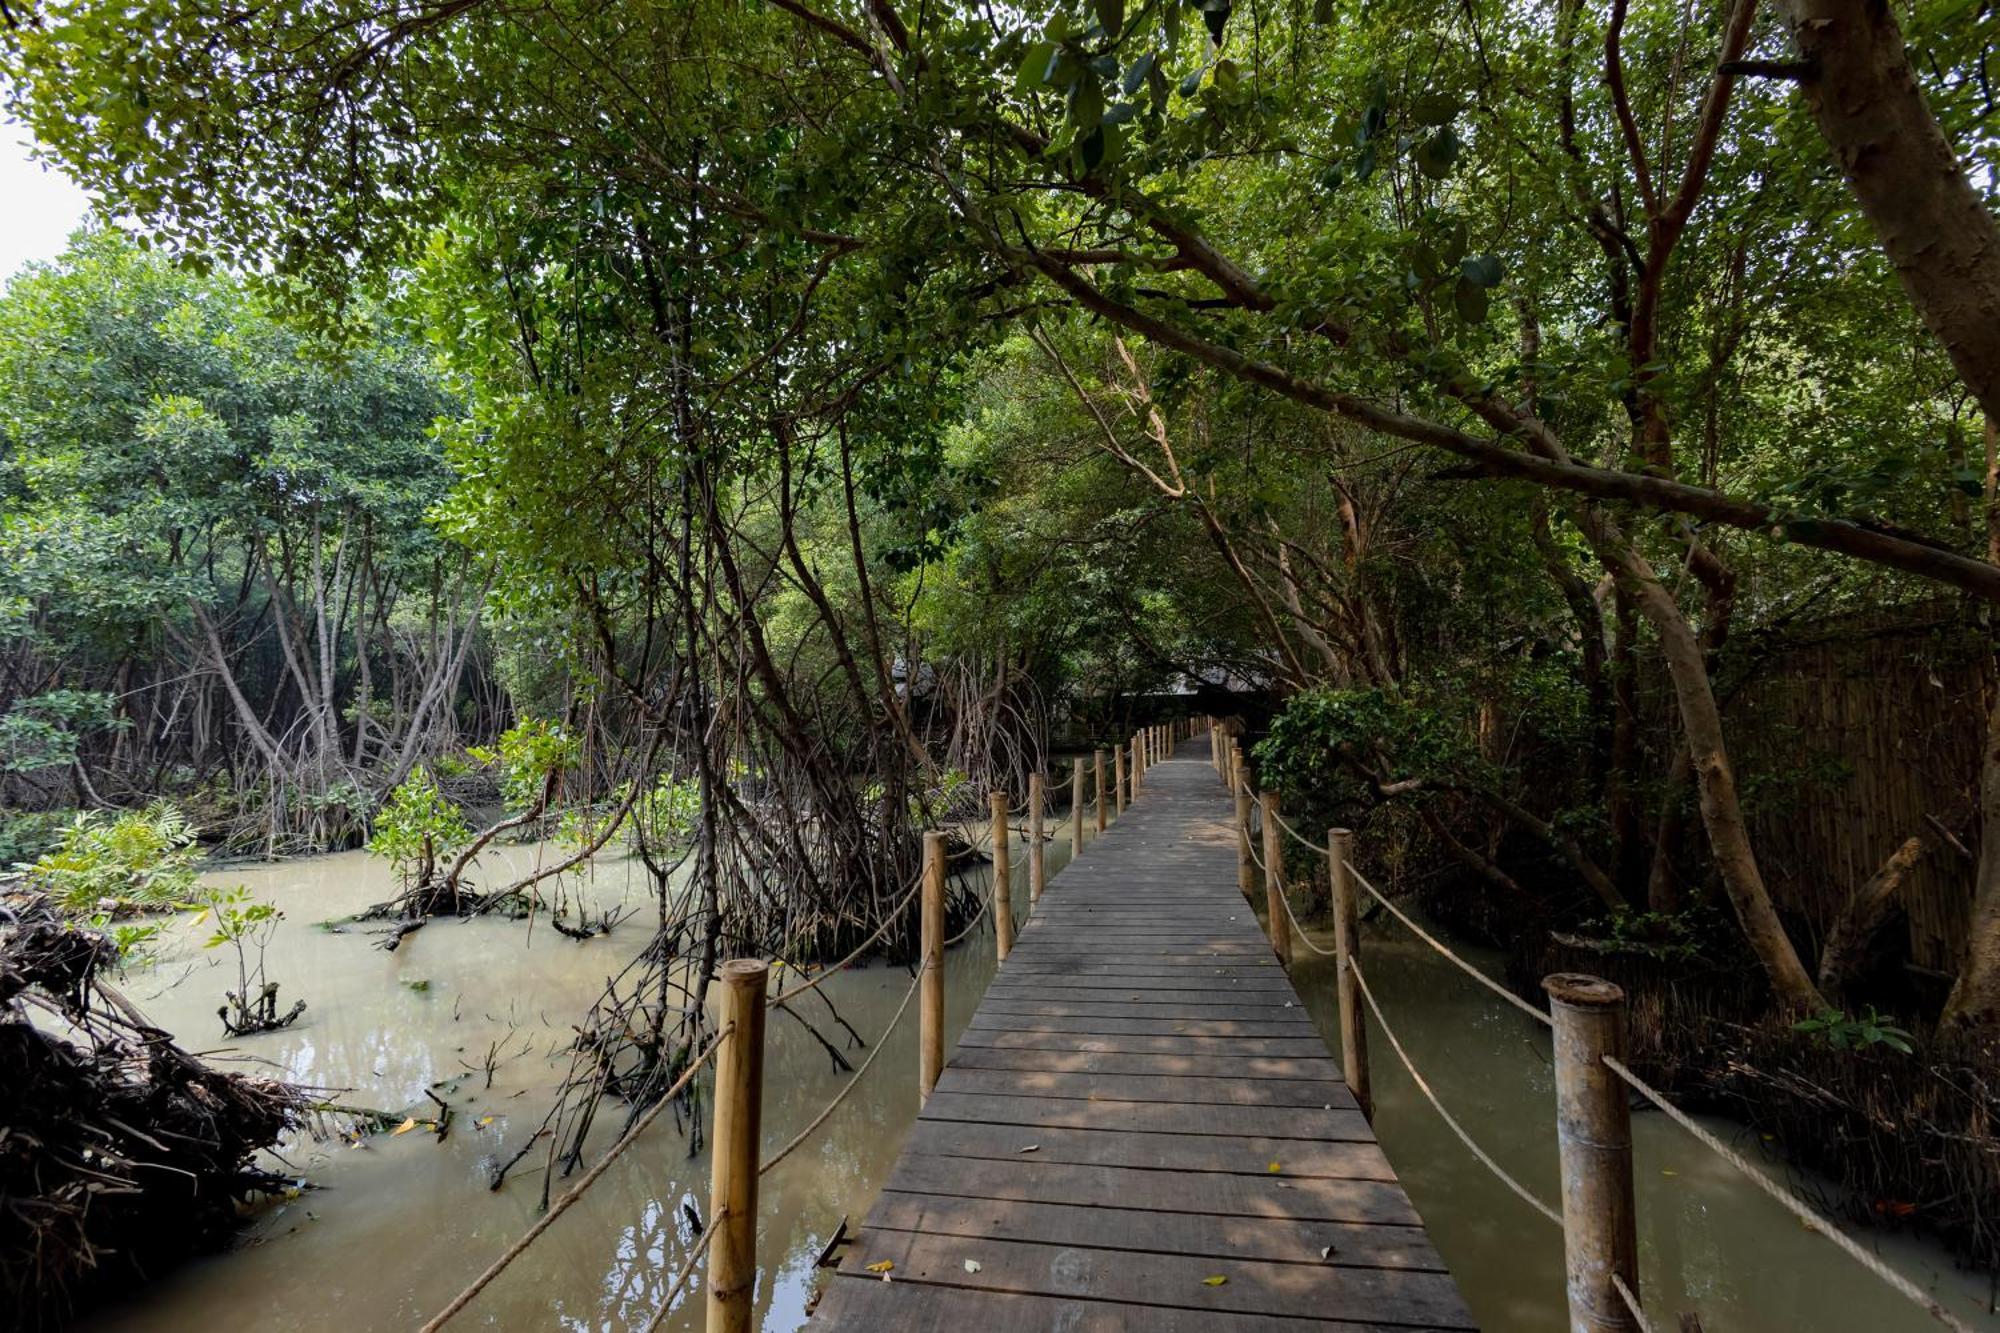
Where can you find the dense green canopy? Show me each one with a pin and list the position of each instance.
(1513, 363)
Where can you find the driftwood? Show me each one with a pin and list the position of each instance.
(119, 1151)
(1852, 942)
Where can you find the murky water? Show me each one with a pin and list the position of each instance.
(398, 1225)
(1709, 1241)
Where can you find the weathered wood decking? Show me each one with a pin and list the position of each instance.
(1139, 1107)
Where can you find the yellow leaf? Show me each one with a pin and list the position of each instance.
(483, 1121)
(882, 1267)
(1214, 1281)
(404, 1128)
(1274, 1168)
(1668, 1171)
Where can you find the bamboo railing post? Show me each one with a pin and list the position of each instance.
(1347, 949)
(1118, 778)
(1138, 766)
(1274, 878)
(930, 1003)
(736, 1139)
(1038, 862)
(1103, 815)
(1241, 788)
(1594, 1142)
(1076, 812)
(1003, 880)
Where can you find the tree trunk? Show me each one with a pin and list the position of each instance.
(1974, 1003)
(1862, 920)
(1701, 724)
(1932, 225)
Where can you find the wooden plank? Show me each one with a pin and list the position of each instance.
(1164, 1026)
(1102, 1008)
(1173, 1281)
(1114, 974)
(1139, 1104)
(1225, 1064)
(1153, 1152)
(1326, 1093)
(866, 1303)
(1195, 997)
(1275, 1240)
(1314, 1199)
(1278, 1122)
(1031, 1039)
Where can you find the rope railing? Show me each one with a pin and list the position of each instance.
(1630, 1300)
(1806, 1213)
(1300, 930)
(800, 1138)
(576, 1191)
(779, 1000)
(695, 1253)
(1623, 1288)
(1456, 961)
(1527, 1196)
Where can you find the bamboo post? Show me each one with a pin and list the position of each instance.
(1241, 787)
(1003, 880)
(1138, 766)
(930, 1010)
(736, 1139)
(1274, 878)
(1347, 949)
(1076, 812)
(1038, 863)
(1118, 778)
(1103, 815)
(1594, 1142)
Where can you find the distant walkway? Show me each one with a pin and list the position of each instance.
(1141, 1129)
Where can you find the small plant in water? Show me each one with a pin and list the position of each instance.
(246, 926)
(417, 828)
(1837, 1030)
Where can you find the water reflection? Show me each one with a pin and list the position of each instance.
(401, 1224)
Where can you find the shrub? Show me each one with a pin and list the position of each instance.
(142, 858)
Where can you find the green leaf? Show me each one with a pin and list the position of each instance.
(1111, 14)
(1137, 74)
(1437, 154)
(1434, 109)
(1471, 301)
(1481, 270)
(1035, 68)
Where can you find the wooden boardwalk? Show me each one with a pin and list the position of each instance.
(1139, 1108)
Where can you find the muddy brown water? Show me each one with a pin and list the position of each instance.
(393, 1228)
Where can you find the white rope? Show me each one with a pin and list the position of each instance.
(1631, 1299)
(575, 1192)
(1301, 838)
(1800, 1209)
(841, 1096)
(1460, 963)
(977, 917)
(1527, 1197)
(1304, 938)
(779, 1000)
(695, 1252)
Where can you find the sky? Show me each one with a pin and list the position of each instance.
(39, 206)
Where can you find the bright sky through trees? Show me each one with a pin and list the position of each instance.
(39, 206)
